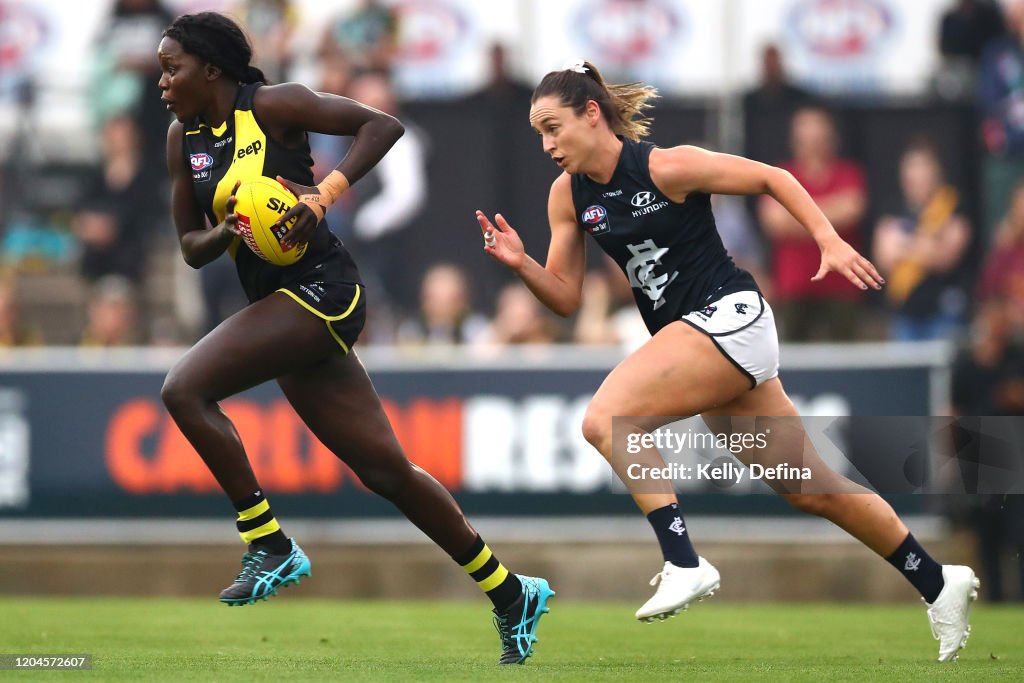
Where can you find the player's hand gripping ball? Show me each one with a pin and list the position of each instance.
(260, 203)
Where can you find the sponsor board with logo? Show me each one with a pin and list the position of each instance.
(503, 435)
(673, 43)
(843, 46)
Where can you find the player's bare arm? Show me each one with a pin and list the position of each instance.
(290, 110)
(681, 170)
(559, 283)
(199, 245)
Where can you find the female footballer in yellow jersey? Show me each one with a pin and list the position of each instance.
(303, 319)
(713, 350)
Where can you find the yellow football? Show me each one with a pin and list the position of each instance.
(261, 201)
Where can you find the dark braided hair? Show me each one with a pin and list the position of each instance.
(216, 40)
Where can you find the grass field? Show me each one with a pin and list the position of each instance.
(295, 639)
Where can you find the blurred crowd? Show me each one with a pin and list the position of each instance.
(954, 273)
(106, 269)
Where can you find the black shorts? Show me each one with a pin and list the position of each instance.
(341, 305)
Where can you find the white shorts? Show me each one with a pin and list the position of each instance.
(742, 326)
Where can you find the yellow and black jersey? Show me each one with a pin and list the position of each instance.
(240, 149)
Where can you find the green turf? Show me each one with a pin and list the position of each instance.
(295, 639)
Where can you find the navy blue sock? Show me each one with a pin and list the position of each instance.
(672, 536)
(918, 568)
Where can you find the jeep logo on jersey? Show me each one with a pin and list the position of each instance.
(640, 270)
(642, 199)
(254, 148)
(200, 161)
(594, 214)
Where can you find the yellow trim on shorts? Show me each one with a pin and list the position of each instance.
(260, 531)
(328, 319)
(494, 580)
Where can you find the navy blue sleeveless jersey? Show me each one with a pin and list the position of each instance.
(241, 149)
(671, 252)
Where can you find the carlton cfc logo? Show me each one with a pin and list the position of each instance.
(200, 161)
(594, 214)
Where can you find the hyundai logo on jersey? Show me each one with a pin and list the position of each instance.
(642, 198)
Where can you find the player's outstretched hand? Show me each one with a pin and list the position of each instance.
(305, 219)
(230, 222)
(501, 241)
(839, 257)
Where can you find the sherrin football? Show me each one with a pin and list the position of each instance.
(260, 202)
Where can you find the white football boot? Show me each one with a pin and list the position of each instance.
(950, 614)
(677, 588)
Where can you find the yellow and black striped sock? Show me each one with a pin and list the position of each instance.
(257, 526)
(501, 586)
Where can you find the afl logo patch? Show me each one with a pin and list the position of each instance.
(595, 219)
(201, 161)
(642, 199)
(594, 214)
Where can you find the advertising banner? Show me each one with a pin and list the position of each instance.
(843, 47)
(503, 433)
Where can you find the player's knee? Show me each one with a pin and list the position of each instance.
(597, 430)
(386, 481)
(175, 394)
(818, 504)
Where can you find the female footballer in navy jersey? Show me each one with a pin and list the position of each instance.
(303, 319)
(714, 349)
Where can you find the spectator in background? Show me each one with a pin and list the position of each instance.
(740, 238)
(111, 318)
(502, 87)
(520, 318)
(776, 91)
(1003, 272)
(968, 26)
(377, 213)
(1003, 280)
(126, 72)
(921, 251)
(1001, 100)
(988, 379)
(14, 331)
(965, 30)
(608, 313)
(367, 37)
(769, 107)
(270, 24)
(988, 376)
(114, 225)
(445, 315)
(828, 310)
